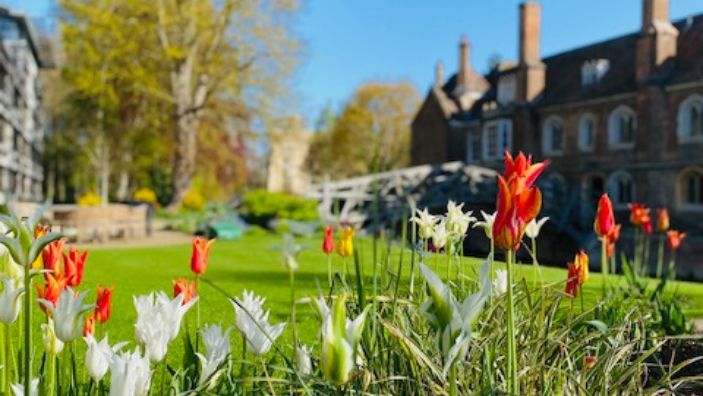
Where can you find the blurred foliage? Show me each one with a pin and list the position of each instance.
(193, 200)
(371, 133)
(145, 195)
(89, 199)
(115, 109)
(260, 206)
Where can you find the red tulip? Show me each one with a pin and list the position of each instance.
(590, 361)
(89, 325)
(328, 241)
(51, 290)
(675, 239)
(577, 274)
(74, 263)
(647, 228)
(201, 251)
(572, 280)
(103, 306)
(185, 287)
(52, 253)
(605, 219)
(639, 214)
(662, 220)
(518, 201)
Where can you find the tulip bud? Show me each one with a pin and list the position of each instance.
(52, 344)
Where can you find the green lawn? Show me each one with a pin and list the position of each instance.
(252, 263)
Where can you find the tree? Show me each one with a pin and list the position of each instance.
(213, 48)
(371, 134)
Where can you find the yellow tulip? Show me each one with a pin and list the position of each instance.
(345, 245)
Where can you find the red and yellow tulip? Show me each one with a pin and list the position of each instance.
(74, 264)
(519, 201)
(201, 252)
(185, 287)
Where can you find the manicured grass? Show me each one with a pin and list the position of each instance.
(252, 263)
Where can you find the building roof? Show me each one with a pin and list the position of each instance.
(563, 70)
(43, 59)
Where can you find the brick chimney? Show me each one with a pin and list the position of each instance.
(531, 74)
(657, 40)
(439, 75)
(462, 82)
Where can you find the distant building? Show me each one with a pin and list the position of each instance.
(288, 151)
(623, 115)
(22, 126)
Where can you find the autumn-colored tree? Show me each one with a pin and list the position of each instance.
(371, 133)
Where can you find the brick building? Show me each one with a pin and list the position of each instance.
(623, 115)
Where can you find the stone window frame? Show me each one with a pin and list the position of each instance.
(587, 117)
(548, 136)
(681, 201)
(611, 186)
(504, 130)
(614, 127)
(683, 127)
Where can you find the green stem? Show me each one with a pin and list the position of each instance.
(604, 264)
(291, 279)
(329, 271)
(535, 262)
(513, 386)
(452, 380)
(27, 328)
(51, 366)
(660, 256)
(8, 358)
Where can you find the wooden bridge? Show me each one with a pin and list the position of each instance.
(387, 197)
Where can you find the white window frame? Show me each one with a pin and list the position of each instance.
(504, 138)
(614, 128)
(582, 145)
(682, 189)
(548, 136)
(683, 128)
(612, 185)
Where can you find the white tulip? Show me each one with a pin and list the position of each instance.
(289, 252)
(18, 389)
(425, 223)
(68, 314)
(440, 235)
(533, 227)
(52, 344)
(130, 374)
(158, 322)
(458, 222)
(452, 320)
(500, 283)
(217, 349)
(487, 224)
(253, 324)
(10, 267)
(10, 301)
(303, 360)
(98, 356)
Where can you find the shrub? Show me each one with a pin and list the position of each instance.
(261, 206)
(193, 201)
(89, 199)
(145, 194)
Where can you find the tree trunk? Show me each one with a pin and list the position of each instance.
(123, 186)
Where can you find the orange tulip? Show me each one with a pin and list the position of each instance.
(103, 305)
(52, 253)
(201, 251)
(577, 274)
(639, 215)
(518, 201)
(89, 325)
(662, 220)
(51, 290)
(605, 219)
(590, 361)
(185, 287)
(581, 262)
(73, 264)
(675, 239)
(328, 241)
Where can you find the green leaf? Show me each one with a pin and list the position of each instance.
(41, 242)
(13, 246)
(600, 326)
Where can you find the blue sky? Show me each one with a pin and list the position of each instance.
(348, 42)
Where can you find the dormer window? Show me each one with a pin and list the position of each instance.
(593, 71)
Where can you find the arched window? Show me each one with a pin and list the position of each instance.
(691, 187)
(554, 190)
(553, 136)
(622, 126)
(690, 120)
(587, 133)
(621, 188)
